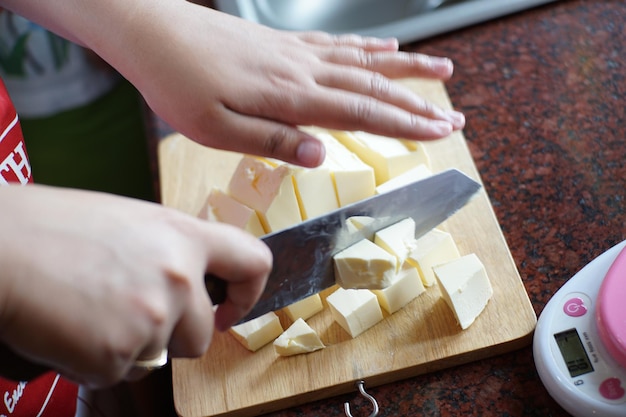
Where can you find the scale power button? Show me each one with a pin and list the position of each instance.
(575, 307)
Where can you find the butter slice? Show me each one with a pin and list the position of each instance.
(269, 190)
(353, 179)
(405, 287)
(434, 248)
(298, 338)
(465, 287)
(223, 208)
(364, 265)
(398, 239)
(414, 174)
(305, 308)
(354, 310)
(256, 333)
(315, 191)
(389, 157)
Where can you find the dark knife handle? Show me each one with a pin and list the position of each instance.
(216, 287)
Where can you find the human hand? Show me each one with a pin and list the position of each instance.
(232, 84)
(91, 282)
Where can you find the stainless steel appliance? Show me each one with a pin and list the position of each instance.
(407, 20)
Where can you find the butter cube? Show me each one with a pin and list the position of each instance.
(404, 287)
(465, 287)
(414, 174)
(364, 265)
(298, 338)
(434, 248)
(223, 208)
(269, 190)
(305, 308)
(354, 310)
(256, 333)
(353, 179)
(397, 239)
(388, 156)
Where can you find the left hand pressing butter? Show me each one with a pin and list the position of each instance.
(232, 84)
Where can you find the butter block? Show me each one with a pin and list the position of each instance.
(465, 287)
(305, 308)
(388, 156)
(353, 179)
(397, 239)
(364, 265)
(434, 248)
(297, 339)
(223, 208)
(315, 191)
(414, 174)
(405, 287)
(354, 310)
(269, 190)
(256, 333)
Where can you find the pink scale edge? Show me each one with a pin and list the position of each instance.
(611, 309)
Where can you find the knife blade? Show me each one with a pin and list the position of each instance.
(303, 254)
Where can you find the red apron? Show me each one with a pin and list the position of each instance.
(48, 395)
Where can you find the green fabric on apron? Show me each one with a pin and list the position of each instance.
(101, 146)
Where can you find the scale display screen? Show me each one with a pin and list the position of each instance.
(573, 352)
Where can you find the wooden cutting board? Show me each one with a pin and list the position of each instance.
(422, 337)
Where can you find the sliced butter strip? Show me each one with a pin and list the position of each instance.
(405, 287)
(298, 338)
(465, 287)
(397, 239)
(269, 190)
(364, 265)
(256, 333)
(389, 157)
(353, 179)
(434, 248)
(414, 174)
(305, 308)
(354, 310)
(223, 208)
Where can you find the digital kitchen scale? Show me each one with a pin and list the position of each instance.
(580, 340)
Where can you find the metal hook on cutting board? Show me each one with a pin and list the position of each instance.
(361, 385)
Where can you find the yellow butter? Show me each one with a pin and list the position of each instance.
(223, 208)
(269, 190)
(434, 248)
(364, 265)
(297, 339)
(305, 308)
(397, 239)
(404, 287)
(465, 287)
(388, 156)
(256, 333)
(354, 310)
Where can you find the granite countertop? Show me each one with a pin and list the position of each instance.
(544, 93)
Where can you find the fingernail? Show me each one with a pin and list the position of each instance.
(457, 118)
(310, 152)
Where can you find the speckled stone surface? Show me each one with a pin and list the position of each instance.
(544, 94)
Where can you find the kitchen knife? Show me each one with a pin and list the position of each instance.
(303, 254)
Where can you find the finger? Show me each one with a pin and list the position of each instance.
(342, 110)
(393, 64)
(379, 87)
(244, 262)
(264, 137)
(350, 40)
